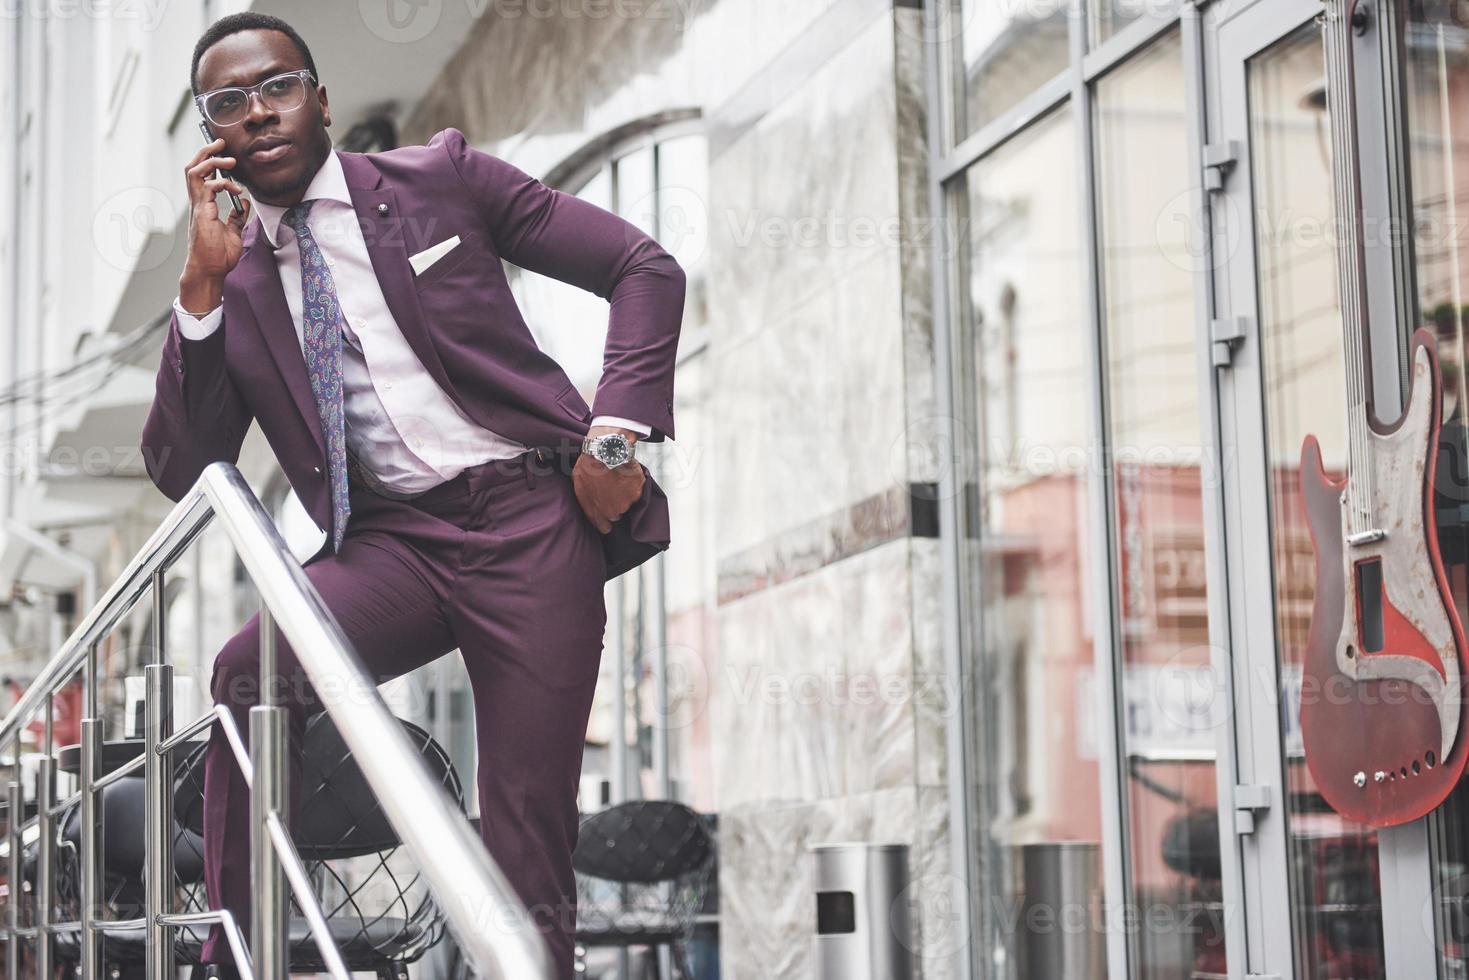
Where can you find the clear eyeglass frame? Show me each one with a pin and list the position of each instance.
(202, 99)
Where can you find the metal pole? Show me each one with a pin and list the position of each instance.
(90, 885)
(269, 925)
(158, 792)
(45, 846)
(654, 584)
(953, 478)
(14, 814)
(618, 748)
(658, 639)
(91, 872)
(459, 870)
(15, 201)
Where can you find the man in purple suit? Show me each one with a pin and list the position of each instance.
(469, 497)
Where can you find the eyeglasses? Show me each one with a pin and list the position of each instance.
(280, 93)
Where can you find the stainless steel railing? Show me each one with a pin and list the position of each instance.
(481, 907)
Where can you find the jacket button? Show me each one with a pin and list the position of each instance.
(316, 469)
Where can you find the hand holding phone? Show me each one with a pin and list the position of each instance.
(236, 207)
(215, 246)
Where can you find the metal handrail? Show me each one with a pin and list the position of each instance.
(481, 907)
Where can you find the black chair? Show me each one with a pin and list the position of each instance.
(377, 906)
(642, 872)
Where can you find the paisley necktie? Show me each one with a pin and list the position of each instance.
(322, 335)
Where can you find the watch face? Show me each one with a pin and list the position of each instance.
(612, 448)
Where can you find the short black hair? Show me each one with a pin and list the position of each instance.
(247, 21)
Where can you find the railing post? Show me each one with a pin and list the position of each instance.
(15, 814)
(458, 869)
(45, 844)
(158, 791)
(270, 923)
(90, 886)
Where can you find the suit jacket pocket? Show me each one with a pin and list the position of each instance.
(469, 246)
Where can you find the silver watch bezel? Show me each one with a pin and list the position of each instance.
(592, 445)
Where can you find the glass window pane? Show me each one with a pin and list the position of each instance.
(1007, 50)
(1024, 345)
(1436, 70)
(1107, 17)
(661, 188)
(683, 219)
(1169, 711)
(1336, 899)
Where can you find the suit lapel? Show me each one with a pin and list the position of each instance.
(389, 232)
(261, 282)
(388, 239)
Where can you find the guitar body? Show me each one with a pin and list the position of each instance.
(1384, 667)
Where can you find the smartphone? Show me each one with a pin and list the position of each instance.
(238, 207)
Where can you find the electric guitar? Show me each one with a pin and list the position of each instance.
(1384, 668)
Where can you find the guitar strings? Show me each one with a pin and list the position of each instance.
(1360, 482)
(1455, 283)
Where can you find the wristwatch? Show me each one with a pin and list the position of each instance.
(610, 448)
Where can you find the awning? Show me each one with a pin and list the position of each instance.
(96, 443)
(29, 557)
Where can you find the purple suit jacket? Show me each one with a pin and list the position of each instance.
(459, 317)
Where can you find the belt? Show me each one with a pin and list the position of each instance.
(356, 473)
(534, 462)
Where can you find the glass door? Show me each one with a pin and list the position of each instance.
(1427, 45)
(1310, 878)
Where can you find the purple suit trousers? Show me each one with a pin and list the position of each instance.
(502, 563)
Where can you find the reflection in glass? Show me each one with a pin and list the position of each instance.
(1436, 72)
(1023, 344)
(1169, 713)
(1007, 50)
(1336, 898)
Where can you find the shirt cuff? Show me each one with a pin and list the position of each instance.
(198, 327)
(638, 427)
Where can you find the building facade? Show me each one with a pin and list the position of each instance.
(1006, 322)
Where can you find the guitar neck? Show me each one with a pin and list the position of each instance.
(1337, 30)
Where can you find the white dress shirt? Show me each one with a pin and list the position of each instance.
(402, 427)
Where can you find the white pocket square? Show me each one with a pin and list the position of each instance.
(422, 260)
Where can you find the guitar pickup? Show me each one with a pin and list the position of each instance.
(1366, 537)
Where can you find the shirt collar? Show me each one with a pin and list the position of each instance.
(329, 183)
